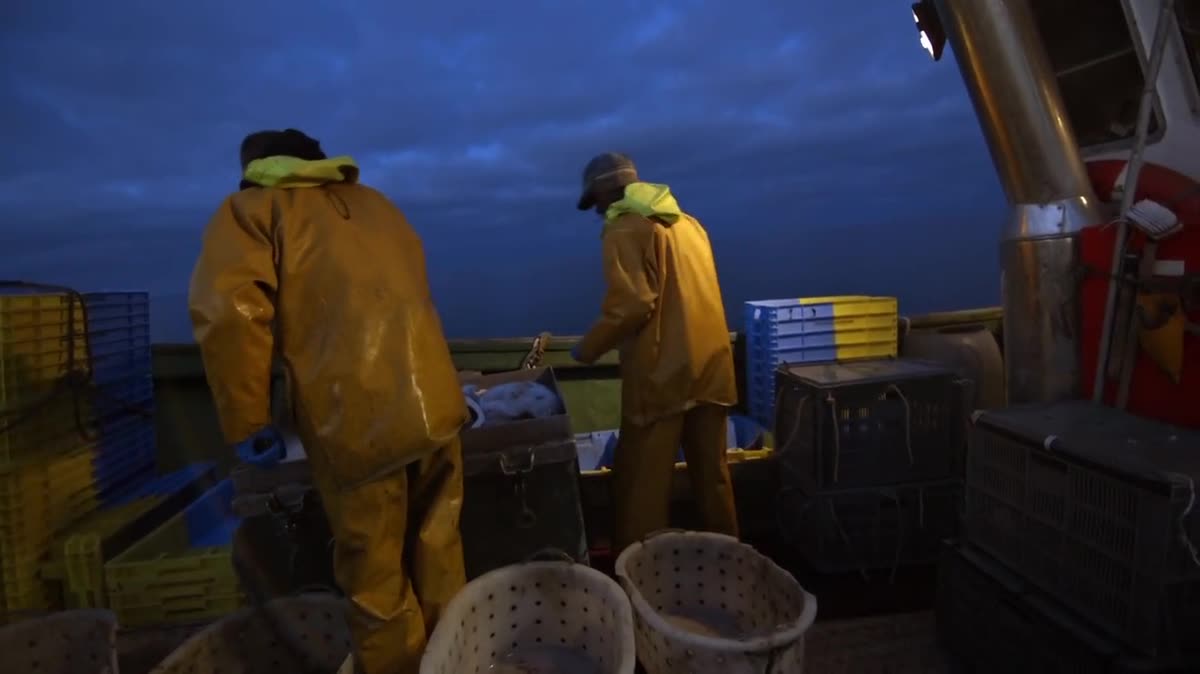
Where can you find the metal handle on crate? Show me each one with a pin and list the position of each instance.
(550, 555)
(510, 467)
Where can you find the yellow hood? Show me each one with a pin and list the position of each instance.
(648, 200)
(289, 172)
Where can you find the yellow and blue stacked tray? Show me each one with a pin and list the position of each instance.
(76, 419)
(812, 330)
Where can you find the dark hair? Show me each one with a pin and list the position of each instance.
(288, 143)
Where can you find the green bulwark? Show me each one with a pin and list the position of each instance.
(187, 423)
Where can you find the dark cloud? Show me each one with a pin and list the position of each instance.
(823, 150)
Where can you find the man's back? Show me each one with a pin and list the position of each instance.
(354, 322)
(683, 355)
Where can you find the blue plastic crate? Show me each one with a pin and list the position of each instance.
(128, 440)
(119, 340)
(114, 367)
(117, 303)
(210, 519)
(163, 485)
(118, 328)
(121, 353)
(124, 458)
(123, 396)
(118, 297)
(102, 326)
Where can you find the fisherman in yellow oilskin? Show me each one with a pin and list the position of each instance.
(306, 264)
(663, 311)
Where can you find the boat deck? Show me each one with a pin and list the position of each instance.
(901, 643)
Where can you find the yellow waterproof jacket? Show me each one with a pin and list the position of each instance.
(329, 275)
(663, 309)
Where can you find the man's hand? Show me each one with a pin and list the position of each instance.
(263, 449)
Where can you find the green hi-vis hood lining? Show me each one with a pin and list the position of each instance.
(648, 200)
(289, 172)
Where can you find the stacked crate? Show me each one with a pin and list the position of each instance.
(812, 330)
(865, 442)
(182, 572)
(77, 557)
(1086, 517)
(76, 420)
(866, 457)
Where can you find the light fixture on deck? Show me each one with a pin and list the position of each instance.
(929, 25)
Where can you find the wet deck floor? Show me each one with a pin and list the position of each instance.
(903, 643)
(881, 623)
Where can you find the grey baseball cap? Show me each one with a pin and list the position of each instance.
(605, 173)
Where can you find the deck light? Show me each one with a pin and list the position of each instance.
(929, 25)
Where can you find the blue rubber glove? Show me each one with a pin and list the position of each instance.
(263, 449)
(575, 353)
(610, 450)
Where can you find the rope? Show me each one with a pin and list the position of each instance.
(797, 420)
(845, 538)
(837, 435)
(1184, 537)
(900, 530)
(892, 388)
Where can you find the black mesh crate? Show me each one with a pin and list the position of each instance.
(994, 622)
(1095, 507)
(866, 423)
(872, 527)
(987, 618)
(518, 503)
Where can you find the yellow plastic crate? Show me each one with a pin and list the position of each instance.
(40, 360)
(36, 501)
(811, 329)
(38, 599)
(173, 589)
(198, 608)
(21, 309)
(35, 333)
(20, 583)
(164, 575)
(82, 554)
(58, 489)
(864, 326)
(77, 555)
(855, 305)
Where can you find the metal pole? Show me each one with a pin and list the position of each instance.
(1008, 74)
(1132, 171)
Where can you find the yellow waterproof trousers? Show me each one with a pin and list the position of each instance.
(398, 556)
(644, 462)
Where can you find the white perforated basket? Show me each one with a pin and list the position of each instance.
(68, 642)
(305, 633)
(553, 616)
(708, 603)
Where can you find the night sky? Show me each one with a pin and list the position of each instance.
(821, 147)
